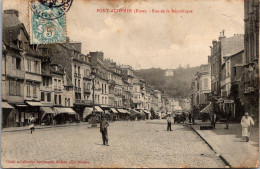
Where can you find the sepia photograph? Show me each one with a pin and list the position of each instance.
(130, 84)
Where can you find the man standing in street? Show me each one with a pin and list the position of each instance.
(169, 121)
(213, 120)
(103, 129)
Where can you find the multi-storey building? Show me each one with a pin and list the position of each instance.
(232, 54)
(128, 75)
(101, 78)
(215, 64)
(77, 68)
(137, 93)
(201, 90)
(251, 57)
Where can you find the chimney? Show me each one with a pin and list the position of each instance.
(222, 35)
(12, 11)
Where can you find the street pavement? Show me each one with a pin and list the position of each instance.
(131, 144)
(231, 146)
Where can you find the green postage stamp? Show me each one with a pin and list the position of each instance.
(47, 23)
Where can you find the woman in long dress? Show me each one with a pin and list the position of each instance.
(246, 123)
(31, 123)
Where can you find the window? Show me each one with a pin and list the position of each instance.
(28, 90)
(79, 70)
(75, 69)
(55, 84)
(16, 63)
(42, 96)
(35, 65)
(206, 85)
(105, 88)
(13, 62)
(55, 99)
(75, 82)
(65, 101)
(34, 91)
(78, 83)
(29, 66)
(102, 89)
(59, 84)
(68, 102)
(12, 87)
(49, 97)
(59, 99)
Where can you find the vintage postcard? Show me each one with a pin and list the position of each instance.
(130, 84)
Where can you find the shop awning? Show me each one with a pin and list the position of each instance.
(145, 111)
(87, 111)
(35, 103)
(121, 110)
(113, 110)
(140, 112)
(5, 105)
(98, 109)
(208, 109)
(132, 111)
(59, 110)
(47, 110)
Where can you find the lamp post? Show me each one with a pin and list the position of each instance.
(93, 73)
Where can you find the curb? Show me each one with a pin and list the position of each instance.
(39, 128)
(219, 155)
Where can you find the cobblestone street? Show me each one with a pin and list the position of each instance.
(131, 144)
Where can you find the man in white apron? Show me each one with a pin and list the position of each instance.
(246, 123)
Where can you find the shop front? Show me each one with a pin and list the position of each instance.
(65, 115)
(8, 114)
(47, 117)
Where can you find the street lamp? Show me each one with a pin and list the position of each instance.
(93, 74)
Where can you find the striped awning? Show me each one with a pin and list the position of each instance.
(113, 110)
(98, 109)
(35, 103)
(145, 111)
(59, 110)
(5, 105)
(208, 109)
(47, 110)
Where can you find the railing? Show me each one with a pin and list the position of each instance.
(85, 102)
(75, 74)
(87, 90)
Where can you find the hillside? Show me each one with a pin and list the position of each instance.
(174, 86)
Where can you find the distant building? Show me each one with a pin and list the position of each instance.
(169, 72)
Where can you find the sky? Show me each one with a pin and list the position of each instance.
(147, 40)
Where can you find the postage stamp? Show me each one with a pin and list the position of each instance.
(47, 23)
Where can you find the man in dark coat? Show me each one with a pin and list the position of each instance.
(103, 129)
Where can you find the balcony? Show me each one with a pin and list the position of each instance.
(87, 78)
(79, 75)
(83, 102)
(87, 91)
(251, 89)
(77, 89)
(75, 74)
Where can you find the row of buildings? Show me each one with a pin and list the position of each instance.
(229, 84)
(59, 78)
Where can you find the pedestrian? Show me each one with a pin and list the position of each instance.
(31, 122)
(228, 117)
(213, 120)
(193, 118)
(169, 123)
(103, 129)
(246, 123)
(189, 117)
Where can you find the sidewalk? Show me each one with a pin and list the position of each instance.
(230, 145)
(14, 129)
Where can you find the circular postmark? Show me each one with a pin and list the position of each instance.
(50, 9)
